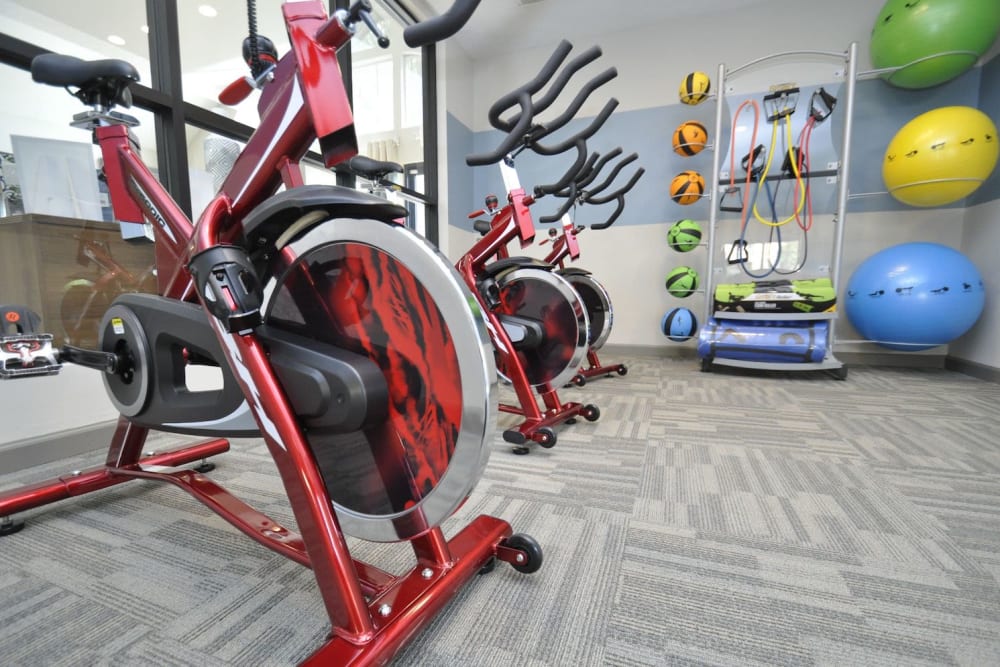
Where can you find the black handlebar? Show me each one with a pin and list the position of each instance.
(515, 137)
(515, 96)
(520, 127)
(577, 191)
(596, 166)
(590, 197)
(618, 195)
(583, 134)
(440, 27)
(544, 102)
(579, 141)
(587, 199)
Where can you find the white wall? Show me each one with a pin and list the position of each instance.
(980, 243)
(652, 60)
(454, 90)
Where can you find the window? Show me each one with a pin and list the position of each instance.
(374, 101)
(388, 95)
(87, 30)
(210, 158)
(412, 98)
(211, 51)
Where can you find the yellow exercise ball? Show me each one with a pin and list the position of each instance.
(694, 88)
(941, 156)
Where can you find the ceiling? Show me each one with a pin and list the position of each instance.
(496, 26)
(505, 25)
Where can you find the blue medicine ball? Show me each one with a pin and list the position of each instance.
(915, 296)
(679, 324)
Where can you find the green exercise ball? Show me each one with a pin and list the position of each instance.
(910, 30)
(682, 281)
(684, 235)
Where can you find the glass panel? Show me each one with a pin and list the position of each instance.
(88, 30)
(211, 47)
(317, 175)
(388, 103)
(61, 253)
(36, 142)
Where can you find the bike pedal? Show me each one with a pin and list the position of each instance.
(27, 355)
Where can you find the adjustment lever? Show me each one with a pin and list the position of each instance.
(261, 71)
(361, 11)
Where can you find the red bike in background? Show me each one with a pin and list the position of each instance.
(537, 321)
(85, 298)
(566, 247)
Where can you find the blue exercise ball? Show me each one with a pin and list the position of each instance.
(915, 296)
(679, 324)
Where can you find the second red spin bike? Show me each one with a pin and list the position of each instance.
(537, 322)
(566, 247)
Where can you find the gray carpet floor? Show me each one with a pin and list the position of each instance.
(724, 518)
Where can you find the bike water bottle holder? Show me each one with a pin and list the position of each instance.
(228, 284)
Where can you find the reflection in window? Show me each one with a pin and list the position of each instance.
(210, 159)
(388, 95)
(47, 166)
(413, 92)
(373, 98)
(211, 49)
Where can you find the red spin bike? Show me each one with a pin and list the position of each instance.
(347, 342)
(565, 246)
(537, 322)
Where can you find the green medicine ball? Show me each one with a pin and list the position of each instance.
(941, 38)
(684, 235)
(682, 281)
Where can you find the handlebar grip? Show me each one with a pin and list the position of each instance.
(561, 211)
(584, 134)
(583, 177)
(572, 67)
(440, 27)
(620, 192)
(614, 216)
(509, 142)
(597, 167)
(574, 106)
(510, 99)
(613, 175)
(570, 175)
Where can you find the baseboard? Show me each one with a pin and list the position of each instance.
(29, 452)
(897, 360)
(660, 351)
(849, 358)
(976, 370)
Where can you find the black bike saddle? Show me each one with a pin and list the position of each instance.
(103, 82)
(373, 169)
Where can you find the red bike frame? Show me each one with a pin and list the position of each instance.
(566, 246)
(307, 99)
(512, 222)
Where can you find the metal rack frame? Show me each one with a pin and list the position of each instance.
(830, 362)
